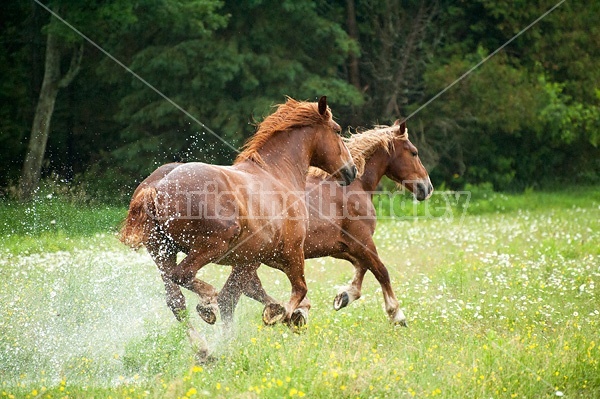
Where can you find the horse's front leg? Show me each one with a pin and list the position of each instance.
(294, 270)
(392, 307)
(243, 279)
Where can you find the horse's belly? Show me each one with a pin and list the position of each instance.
(325, 247)
(323, 239)
(251, 251)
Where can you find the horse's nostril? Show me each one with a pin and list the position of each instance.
(423, 191)
(349, 173)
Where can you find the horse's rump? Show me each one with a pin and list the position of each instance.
(247, 206)
(140, 218)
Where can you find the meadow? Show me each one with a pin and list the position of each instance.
(501, 293)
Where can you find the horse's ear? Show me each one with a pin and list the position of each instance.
(396, 122)
(322, 105)
(402, 127)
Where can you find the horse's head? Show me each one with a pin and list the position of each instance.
(405, 167)
(331, 153)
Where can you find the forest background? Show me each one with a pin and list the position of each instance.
(529, 117)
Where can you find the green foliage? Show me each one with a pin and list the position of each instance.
(520, 119)
(568, 120)
(529, 116)
(223, 78)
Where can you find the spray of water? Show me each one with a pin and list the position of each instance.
(96, 311)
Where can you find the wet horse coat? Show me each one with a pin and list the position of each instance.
(343, 219)
(217, 213)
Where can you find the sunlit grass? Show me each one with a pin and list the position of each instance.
(499, 305)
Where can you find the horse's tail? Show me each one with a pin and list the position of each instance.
(141, 218)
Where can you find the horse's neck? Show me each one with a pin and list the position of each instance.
(287, 156)
(375, 168)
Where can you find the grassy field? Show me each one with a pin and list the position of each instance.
(502, 300)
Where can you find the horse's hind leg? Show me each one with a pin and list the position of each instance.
(364, 259)
(166, 259)
(176, 302)
(230, 295)
(254, 288)
(209, 249)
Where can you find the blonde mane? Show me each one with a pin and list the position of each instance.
(290, 115)
(363, 145)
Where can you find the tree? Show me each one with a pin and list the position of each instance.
(20, 26)
(62, 42)
(530, 113)
(53, 81)
(532, 110)
(232, 71)
(396, 39)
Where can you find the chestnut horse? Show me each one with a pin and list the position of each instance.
(342, 221)
(253, 211)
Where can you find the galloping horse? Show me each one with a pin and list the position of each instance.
(342, 221)
(253, 211)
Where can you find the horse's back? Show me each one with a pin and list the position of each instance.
(199, 175)
(197, 199)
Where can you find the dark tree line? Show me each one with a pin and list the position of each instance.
(529, 116)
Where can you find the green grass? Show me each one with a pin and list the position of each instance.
(51, 224)
(479, 201)
(503, 302)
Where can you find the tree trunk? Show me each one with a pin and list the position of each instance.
(417, 31)
(354, 72)
(32, 167)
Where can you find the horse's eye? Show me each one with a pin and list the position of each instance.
(414, 153)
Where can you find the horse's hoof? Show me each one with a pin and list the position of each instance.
(199, 346)
(273, 313)
(203, 357)
(207, 313)
(401, 323)
(399, 319)
(299, 318)
(341, 300)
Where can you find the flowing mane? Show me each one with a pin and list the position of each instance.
(292, 114)
(363, 145)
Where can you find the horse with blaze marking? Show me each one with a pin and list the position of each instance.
(217, 213)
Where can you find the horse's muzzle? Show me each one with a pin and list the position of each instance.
(348, 173)
(423, 190)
